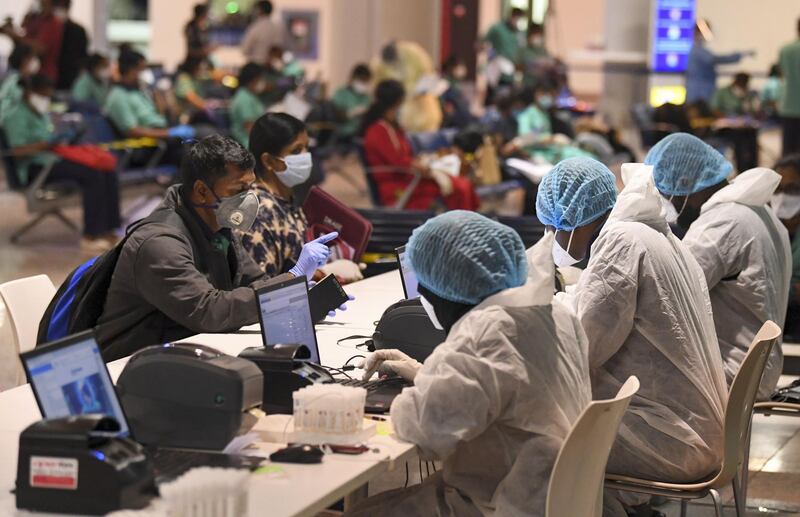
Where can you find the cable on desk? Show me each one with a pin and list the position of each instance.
(427, 470)
(359, 356)
(369, 344)
(339, 370)
(420, 470)
(406, 484)
(434, 465)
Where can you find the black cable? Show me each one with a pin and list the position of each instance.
(420, 471)
(336, 370)
(406, 484)
(347, 363)
(434, 465)
(427, 469)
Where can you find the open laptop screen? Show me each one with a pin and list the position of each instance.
(407, 275)
(286, 315)
(69, 377)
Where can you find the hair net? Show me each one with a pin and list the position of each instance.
(683, 164)
(576, 192)
(465, 257)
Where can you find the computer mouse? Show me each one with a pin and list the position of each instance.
(298, 454)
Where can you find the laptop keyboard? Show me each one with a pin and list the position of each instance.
(371, 385)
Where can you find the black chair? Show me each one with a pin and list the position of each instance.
(42, 199)
(529, 228)
(392, 228)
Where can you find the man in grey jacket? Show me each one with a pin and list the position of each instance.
(183, 271)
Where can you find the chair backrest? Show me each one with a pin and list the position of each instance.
(576, 483)
(529, 228)
(392, 228)
(26, 300)
(741, 397)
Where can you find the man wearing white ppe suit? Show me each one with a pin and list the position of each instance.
(644, 305)
(741, 246)
(495, 401)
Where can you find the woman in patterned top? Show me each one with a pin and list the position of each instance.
(280, 144)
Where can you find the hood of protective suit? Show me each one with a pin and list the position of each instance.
(639, 201)
(752, 188)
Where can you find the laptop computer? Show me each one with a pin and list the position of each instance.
(285, 317)
(407, 275)
(69, 377)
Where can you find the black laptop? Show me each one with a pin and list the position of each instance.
(69, 377)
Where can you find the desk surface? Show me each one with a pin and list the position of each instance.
(293, 489)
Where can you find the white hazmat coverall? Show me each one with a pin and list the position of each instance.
(495, 401)
(644, 305)
(745, 253)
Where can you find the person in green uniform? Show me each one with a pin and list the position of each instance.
(22, 63)
(786, 204)
(533, 55)
(789, 108)
(353, 100)
(772, 91)
(92, 84)
(504, 36)
(190, 87)
(31, 138)
(735, 99)
(246, 106)
(131, 110)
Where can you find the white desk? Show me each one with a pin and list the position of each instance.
(297, 489)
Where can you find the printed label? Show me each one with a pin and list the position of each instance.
(60, 473)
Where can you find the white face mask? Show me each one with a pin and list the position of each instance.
(785, 206)
(561, 256)
(360, 87)
(460, 72)
(147, 77)
(670, 214)
(298, 169)
(104, 74)
(430, 312)
(40, 103)
(33, 66)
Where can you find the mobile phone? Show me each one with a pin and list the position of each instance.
(326, 296)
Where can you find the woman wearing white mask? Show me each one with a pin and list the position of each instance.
(22, 64)
(279, 143)
(31, 138)
(644, 305)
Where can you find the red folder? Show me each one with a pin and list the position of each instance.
(327, 214)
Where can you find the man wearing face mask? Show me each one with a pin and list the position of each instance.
(353, 100)
(455, 105)
(741, 246)
(246, 105)
(184, 271)
(93, 83)
(22, 64)
(496, 399)
(644, 305)
(31, 138)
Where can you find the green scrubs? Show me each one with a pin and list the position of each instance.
(185, 84)
(346, 99)
(504, 40)
(88, 89)
(245, 108)
(727, 103)
(24, 126)
(129, 108)
(796, 258)
(10, 93)
(790, 67)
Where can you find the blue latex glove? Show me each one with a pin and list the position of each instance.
(342, 307)
(183, 132)
(313, 255)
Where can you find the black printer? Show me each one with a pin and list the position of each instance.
(189, 396)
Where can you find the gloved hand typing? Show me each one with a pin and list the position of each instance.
(313, 255)
(182, 131)
(346, 271)
(391, 362)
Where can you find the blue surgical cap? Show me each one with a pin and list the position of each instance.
(576, 192)
(683, 164)
(465, 257)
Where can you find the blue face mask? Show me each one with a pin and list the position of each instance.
(546, 102)
(298, 169)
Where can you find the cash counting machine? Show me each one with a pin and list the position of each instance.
(189, 396)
